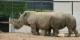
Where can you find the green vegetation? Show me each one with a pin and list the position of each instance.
(7, 8)
(12, 9)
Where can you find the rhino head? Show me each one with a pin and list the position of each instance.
(15, 23)
(22, 19)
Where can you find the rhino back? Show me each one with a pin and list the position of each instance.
(41, 19)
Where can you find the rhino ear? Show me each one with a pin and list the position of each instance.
(25, 14)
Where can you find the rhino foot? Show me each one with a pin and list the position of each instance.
(37, 34)
(76, 36)
(68, 36)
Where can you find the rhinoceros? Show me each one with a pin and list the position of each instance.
(47, 21)
(36, 20)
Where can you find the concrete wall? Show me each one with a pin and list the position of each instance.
(67, 7)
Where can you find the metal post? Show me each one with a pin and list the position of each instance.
(72, 8)
(53, 5)
(34, 6)
(12, 9)
(11, 26)
(5, 8)
(41, 5)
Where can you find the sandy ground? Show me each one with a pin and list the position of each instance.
(28, 36)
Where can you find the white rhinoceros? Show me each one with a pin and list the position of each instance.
(47, 21)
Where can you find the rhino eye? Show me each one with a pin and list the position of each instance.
(25, 14)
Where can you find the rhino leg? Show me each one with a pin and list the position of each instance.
(56, 32)
(49, 32)
(37, 31)
(53, 33)
(45, 34)
(70, 31)
(75, 32)
(33, 29)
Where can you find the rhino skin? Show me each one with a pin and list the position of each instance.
(61, 20)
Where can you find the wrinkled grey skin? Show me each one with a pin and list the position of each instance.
(48, 21)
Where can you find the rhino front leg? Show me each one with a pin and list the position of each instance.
(56, 31)
(37, 31)
(33, 29)
(53, 34)
(49, 32)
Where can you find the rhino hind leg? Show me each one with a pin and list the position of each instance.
(70, 31)
(49, 32)
(54, 32)
(75, 32)
(45, 34)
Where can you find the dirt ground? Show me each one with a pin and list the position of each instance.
(28, 36)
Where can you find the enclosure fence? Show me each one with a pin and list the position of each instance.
(16, 7)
